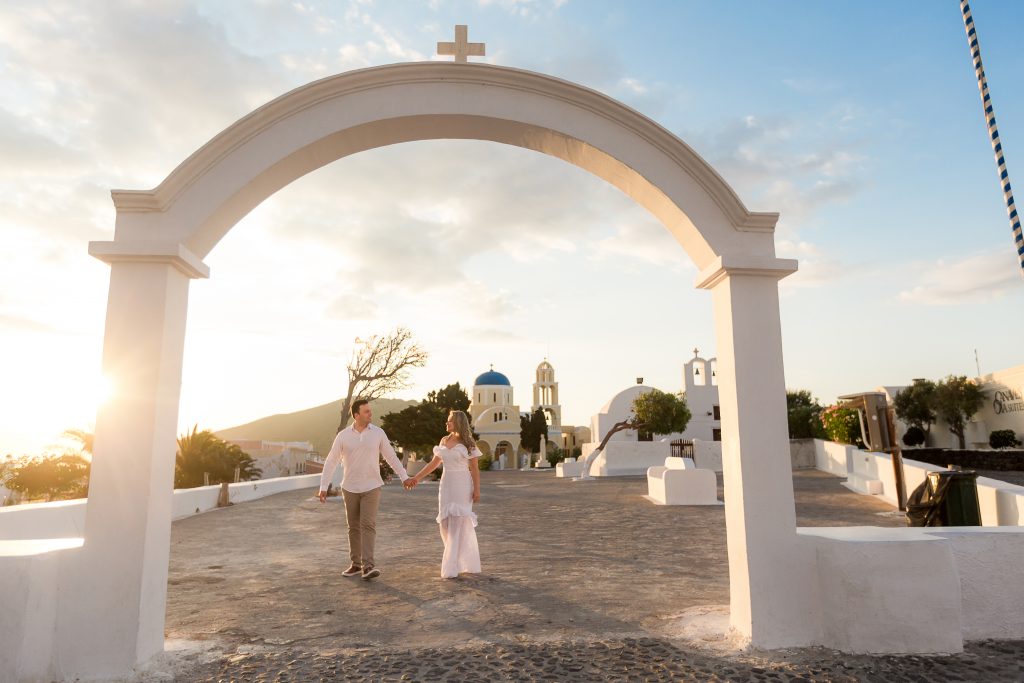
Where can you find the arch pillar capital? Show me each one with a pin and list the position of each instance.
(724, 266)
(173, 253)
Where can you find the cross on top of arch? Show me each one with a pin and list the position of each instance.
(461, 48)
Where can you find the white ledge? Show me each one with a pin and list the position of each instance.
(173, 253)
(724, 266)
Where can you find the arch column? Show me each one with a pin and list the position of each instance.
(112, 617)
(772, 584)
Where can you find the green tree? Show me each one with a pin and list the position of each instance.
(201, 452)
(533, 428)
(452, 397)
(655, 411)
(53, 477)
(915, 405)
(417, 428)
(420, 427)
(956, 400)
(804, 414)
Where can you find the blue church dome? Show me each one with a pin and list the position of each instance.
(492, 378)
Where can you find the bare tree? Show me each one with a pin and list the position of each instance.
(379, 366)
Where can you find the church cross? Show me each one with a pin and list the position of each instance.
(461, 48)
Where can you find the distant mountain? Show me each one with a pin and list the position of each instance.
(318, 425)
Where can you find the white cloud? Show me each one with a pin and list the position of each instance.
(528, 9)
(977, 278)
(644, 244)
(786, 165)
(808, 85)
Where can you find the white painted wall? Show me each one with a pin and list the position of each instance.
(1002, 503)
(622, 458)
(66, 518)
(40, 544)
(917, 589)
(708, 454)
(188, 502)
(29, 571)
(60, 519)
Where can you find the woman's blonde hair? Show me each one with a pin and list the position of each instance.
(463, 429)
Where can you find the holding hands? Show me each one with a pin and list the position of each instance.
(410, 483)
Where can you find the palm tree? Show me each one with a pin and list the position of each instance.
(203, 452)
(84, 439)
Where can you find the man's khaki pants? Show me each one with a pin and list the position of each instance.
(361, 515)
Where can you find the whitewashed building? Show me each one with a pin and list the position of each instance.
(700, 389)
(1003, 409)
(277, 458)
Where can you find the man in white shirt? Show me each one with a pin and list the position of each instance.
(358, 448)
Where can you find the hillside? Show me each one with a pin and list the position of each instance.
(317, 425)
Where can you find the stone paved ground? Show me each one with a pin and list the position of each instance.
(582, 582)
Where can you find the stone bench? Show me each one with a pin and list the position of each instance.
(570, 467)
(679, 482)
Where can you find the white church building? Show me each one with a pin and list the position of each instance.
(700, 388)
(630, 452)
(495, 418)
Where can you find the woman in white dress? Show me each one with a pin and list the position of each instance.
(460, 488)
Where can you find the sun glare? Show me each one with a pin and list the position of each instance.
(104, 390)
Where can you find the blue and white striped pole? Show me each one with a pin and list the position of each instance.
(990, 119)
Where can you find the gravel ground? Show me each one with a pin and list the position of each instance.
(629, 659)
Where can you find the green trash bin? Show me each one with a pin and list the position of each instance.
(956, 493)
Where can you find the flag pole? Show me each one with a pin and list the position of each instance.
(993, 131)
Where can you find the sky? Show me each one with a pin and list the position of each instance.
(858, 121)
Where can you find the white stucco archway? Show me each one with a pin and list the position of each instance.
(162, 235)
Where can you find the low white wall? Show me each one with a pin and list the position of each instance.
(36, 539)
(917, 589)
(707, 455)
(1002, 503)
(66, 518)
(802, 453)
(621, 458)
(188, 502)
(60, 519)
(28, 605)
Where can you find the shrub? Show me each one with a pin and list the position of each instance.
(915, 436)
(484, 462)
(842, 425)
(1003, 438)
(556, 455)
(804, 415)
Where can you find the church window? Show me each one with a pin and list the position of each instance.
(495, 397)
(717, 413)
(716, 434)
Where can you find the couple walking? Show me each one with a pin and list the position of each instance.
(358, 448)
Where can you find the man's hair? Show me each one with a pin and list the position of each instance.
(357, 404)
